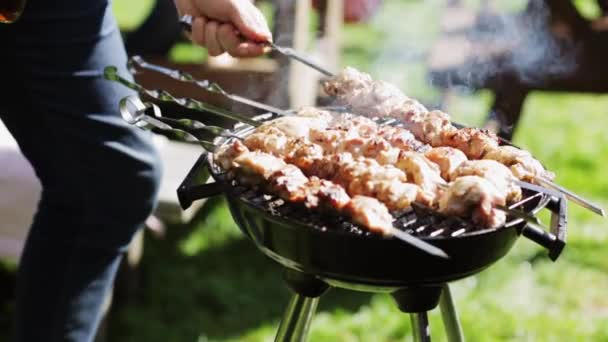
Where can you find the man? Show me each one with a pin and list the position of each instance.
(99, 175)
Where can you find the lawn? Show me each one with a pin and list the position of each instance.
(205, 282)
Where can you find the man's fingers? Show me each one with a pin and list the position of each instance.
(198, 30)
(250, 22)
(228, 38)
(235, 45)
(250, 49)
(213, 46)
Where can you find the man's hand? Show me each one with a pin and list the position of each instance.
(233, 26)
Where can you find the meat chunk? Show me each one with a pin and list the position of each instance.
(494, 172)
(447, 158)
(370, 213)
(474, 197)
(521, 162)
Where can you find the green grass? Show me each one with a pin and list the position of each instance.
(206, 282)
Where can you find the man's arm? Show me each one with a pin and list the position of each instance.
(233, 26)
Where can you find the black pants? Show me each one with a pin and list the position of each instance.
(99, 175)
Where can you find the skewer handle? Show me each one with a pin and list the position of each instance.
(111, 74)
(138, 62)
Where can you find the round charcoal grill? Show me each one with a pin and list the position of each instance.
(321, 250)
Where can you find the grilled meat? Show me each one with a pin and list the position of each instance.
(421, 171)
(494, 172)
(522, 164)
(447, 158)
(474, 197)
(289, 183)
(377, 98)
(255, 168)
(225, 155)
(370, 213)
(364, 176)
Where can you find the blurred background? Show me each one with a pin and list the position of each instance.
(532, 71)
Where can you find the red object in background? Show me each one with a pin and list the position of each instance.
(355, 11)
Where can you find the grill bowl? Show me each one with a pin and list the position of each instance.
(369, 262)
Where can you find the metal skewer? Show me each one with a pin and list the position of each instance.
(111, 73)
(186, 23)
(572, 196)
(291, 53)
(419, 243)
(137, 61)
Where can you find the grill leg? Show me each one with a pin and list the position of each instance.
(450, 316)
(296, 320)
(420, 327)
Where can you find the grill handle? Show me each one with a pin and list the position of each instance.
(553, 241)
(195, 187)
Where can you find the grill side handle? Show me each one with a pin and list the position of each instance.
(553, 241)
(195, 187)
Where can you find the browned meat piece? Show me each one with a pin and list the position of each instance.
(289, 183)
(226, 154)
(367, 96)
(474, 197)
(297, 126)
(401, 138)
(421, 171)
(365, 127)
(269, 139)
(522, 164)
(494, 172)
(426, 126)
(474, 142)
(376, 98)
(447, 158)
(370, 213)
(394, 194)
(254, 168)
(326, 194)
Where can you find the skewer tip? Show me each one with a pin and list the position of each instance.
(419, 243)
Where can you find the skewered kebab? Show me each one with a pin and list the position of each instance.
(375, 171)
(257, 168)
(289, 183)
(392, 191)
(378, 98)
(447, 158)
(468, 195)
(289, 179)
(474, 197)
(388, 184)
(470, 140)
(367, 96)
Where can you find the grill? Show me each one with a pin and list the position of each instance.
(319, 250)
